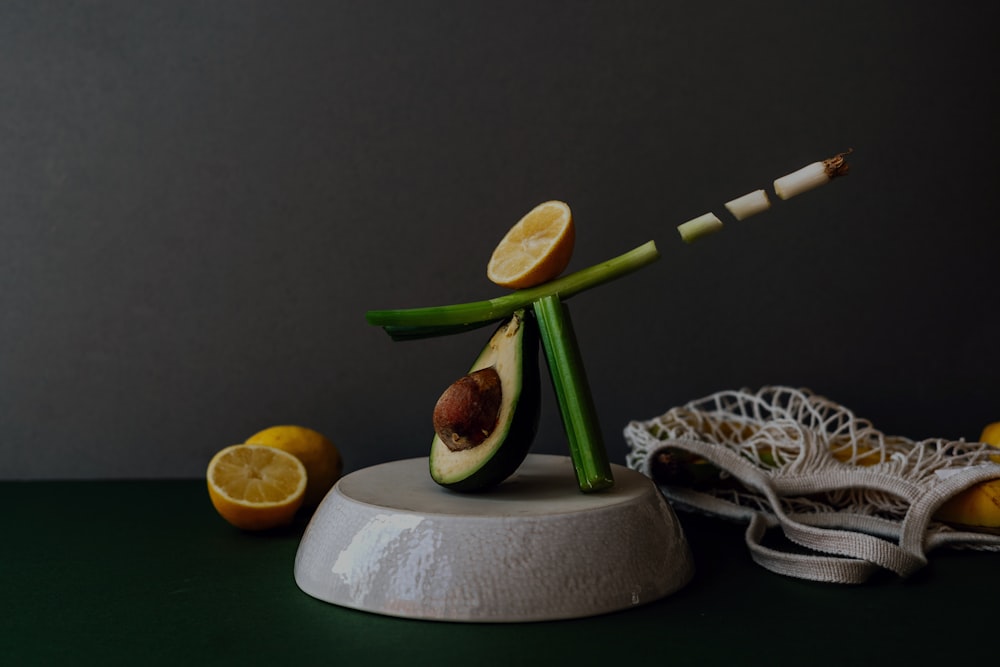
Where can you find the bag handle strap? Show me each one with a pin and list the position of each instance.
(849, 556)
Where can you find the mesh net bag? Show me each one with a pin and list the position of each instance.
(849, 501)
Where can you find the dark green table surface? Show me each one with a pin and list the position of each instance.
(145, 572)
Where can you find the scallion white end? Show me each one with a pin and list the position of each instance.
(811, 176)
(749, 204)
(703, 225)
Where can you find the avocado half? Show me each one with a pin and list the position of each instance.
(513, 353)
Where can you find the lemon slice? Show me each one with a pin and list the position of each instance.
(255, 487)
(536, 249)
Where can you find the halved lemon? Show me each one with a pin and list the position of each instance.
(536, 249)
(255, 487)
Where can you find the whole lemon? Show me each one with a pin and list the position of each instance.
(318, 454)
(991, 435)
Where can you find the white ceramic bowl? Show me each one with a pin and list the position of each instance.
(388, 540)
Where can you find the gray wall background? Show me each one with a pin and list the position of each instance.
(199, 202)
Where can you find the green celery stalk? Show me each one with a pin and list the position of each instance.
(413, 323)
(579, 417)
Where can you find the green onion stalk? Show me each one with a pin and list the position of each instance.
(414, 323)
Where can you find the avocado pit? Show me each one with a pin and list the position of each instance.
(467, 411)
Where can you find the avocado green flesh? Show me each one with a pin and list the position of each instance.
(513, 352)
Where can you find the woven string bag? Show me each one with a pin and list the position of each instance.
(850, 500)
